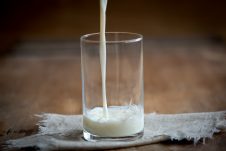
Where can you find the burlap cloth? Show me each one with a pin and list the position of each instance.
(59, 132)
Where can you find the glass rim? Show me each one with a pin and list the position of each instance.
(138, 37)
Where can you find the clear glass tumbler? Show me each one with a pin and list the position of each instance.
(124, 87)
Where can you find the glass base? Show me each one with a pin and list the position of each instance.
(94, 138)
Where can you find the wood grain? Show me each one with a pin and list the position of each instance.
(187, 75)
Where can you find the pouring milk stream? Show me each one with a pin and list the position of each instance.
(103, 57)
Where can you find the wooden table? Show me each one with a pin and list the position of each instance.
(181, 75)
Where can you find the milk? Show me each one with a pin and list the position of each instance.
(121, 121)
(112, 121)
(103, 58)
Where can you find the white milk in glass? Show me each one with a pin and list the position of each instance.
(111, 121)
(121, 121)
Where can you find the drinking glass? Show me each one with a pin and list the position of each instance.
(124, 87)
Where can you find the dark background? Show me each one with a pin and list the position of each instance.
(69, 19)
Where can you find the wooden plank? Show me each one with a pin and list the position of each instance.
(179, 77)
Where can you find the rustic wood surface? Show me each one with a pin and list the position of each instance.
(181, 76)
